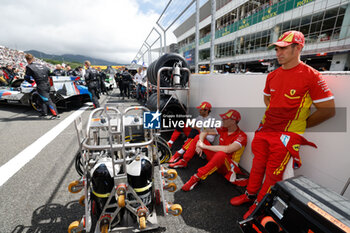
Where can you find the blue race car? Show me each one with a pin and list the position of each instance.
(65, 91)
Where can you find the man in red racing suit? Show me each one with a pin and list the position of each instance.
(224, 157)
(289, 93)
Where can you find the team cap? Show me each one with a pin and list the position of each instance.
(204, 105)
(288, 38)
(231, 114)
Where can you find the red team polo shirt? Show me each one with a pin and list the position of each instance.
(292, 93)
(238, 136)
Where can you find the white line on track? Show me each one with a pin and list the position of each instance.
(16, 163)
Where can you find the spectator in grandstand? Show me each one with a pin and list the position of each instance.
(40, 74)
(191, 133)
(9, 73)
(289, 93)
(58, 71)
(3, 82)
(16, 58)
(91, 79)
(69, 71)
(224, 157)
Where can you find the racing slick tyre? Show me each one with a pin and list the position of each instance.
(152, 103)
(166, 77)
(36, 102)
(173, 108)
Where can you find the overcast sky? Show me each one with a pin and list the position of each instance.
(113, 30)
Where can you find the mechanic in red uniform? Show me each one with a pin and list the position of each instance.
(187, 130)
(191, 133)
(224, 157)
(289, 93)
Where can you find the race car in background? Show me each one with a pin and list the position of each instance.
(65, 92)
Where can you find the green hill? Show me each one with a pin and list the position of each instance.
(70, 58)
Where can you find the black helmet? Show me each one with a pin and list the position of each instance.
(102, 182)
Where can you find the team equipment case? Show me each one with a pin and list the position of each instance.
(298, 205)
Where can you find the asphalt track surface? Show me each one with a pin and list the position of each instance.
(36, 198)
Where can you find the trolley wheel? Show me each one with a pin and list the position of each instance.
(74, 225)
(142, 222)
(72, 187)
(172, 174)
(121, 201)
(157, 196)
(104, 228)
(82, 200)
(176, 209)
(171, 187)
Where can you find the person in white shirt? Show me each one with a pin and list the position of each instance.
(138, 82)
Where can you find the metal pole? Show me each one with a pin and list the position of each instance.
(212, 55)
(149, 53)
(196, 56)
(160, 39)
(165, 50)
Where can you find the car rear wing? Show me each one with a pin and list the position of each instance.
(67, 84)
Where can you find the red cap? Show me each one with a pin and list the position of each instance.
(288, 38)
(204, 105)
(231, 114)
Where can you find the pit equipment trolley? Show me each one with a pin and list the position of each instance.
(118, 175)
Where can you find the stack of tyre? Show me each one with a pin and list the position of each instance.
(172, 107)
(166, 79)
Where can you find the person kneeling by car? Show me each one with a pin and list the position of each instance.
(224, 157)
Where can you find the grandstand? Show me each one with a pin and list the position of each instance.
(16, 58)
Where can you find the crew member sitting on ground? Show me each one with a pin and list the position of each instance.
(223, 157)
(191, 133)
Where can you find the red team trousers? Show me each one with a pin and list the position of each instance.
(217, 161)
(270, 159)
